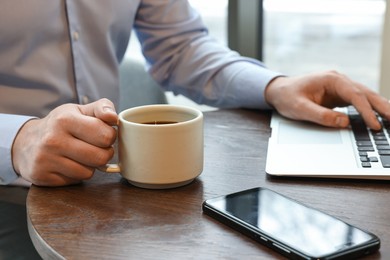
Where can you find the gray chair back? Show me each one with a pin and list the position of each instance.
(137, 87)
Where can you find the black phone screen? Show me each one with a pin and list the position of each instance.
(293, 224)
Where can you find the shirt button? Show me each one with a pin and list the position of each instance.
(84, 100)
(76, 36)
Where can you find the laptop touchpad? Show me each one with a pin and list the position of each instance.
(307, 133)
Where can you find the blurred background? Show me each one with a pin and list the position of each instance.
(303, 36)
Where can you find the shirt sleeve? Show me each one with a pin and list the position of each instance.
(184, 59)
(9, 127)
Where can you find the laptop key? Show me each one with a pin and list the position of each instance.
(363, 153)
(384, 152)
(366, 164)
(385, 160)
(380, 137)
(361, 134)
(383, 147)
(373, 159)
(364, 143)
(366, 149)
(377, 132)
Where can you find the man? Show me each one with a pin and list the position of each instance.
(59, 81)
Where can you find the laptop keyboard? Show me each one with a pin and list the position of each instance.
(373, 146)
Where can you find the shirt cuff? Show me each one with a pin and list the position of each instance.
(20, 182)
(247, 85)
(9, 129)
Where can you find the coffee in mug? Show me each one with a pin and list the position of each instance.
(155, 122)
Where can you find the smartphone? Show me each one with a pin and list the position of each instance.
(289, 227)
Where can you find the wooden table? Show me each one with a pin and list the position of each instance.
(106, 218)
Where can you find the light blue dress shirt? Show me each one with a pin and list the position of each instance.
(56, 52)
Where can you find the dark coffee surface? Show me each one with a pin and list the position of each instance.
(160, 122)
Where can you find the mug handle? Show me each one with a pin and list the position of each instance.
(110, 168)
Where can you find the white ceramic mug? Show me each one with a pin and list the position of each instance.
(160, 146)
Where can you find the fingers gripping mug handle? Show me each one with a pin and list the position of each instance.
(110, 168)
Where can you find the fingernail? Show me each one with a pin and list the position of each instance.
(378, 126)
(108, 109)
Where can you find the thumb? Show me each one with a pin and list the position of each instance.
(103, 109)
(324, 116)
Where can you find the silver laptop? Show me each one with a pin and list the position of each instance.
(305, 149)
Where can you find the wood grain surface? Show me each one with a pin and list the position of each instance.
(107, 218)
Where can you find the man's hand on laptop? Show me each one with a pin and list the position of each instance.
(312, 97)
